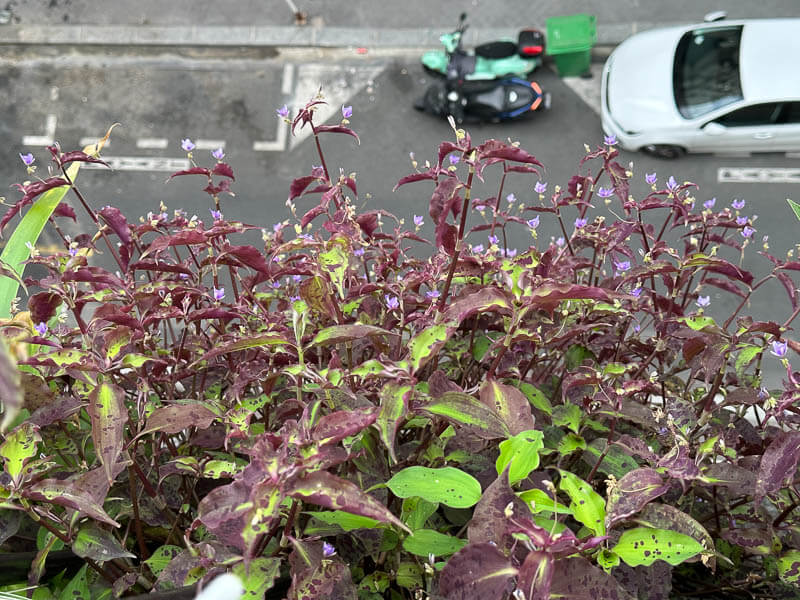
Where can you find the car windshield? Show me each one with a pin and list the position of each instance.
(706, 74)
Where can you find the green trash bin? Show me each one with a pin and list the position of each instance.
(569, 42)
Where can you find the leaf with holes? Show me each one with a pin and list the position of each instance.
(465, 410)
(394, 406)
(587, 505)
(511, 405)
(108, 415)
(448, 485)
(644, 546)
(635, 490)
(161, 557)
(257, 576)
(18, 448)
(98, 544)
(427, 343)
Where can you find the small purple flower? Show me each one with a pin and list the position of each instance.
(741, 221)
(73, 251)
(41, 328)
(671, 183)
(454, 159)
(650, 178)
(622, 266)
(560, 242)
(183, 275)
(779, 348)
(277, 227)
(636, 292)
(511, 198)
(763, 393)
(540, 188)
(392, 302)
(511, 253)
(580, 223)
(432, 294)
(358, 252)
(637, 328)
(703, 301)
(480, 207)
(347, 111)
(297, 278)
(219, 153)
(738, 204)
(328, 550)
(219, 293)
(610, 140)
(747, 231)
(477, 249)
(709, 204)
(283, 112)
(276, 284)
(534, 222)
(187, 145)
(494, 240)
(418, 220)
(605, 193)
(294, 298)
(215, 214)
(27, 159)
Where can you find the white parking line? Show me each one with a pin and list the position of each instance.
(91, 140)
(757, 175)
(42, 140)
(209, 144)
(279, 143)
(142, 163)
(155, 143)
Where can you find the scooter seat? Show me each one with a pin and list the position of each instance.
(494, 50)
(494, 98)
(461, 65)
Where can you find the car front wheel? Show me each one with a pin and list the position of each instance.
(664, 150)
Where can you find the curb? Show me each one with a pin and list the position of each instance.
(265, 35)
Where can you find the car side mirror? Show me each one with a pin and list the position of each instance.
(714, 128)
(717, 15)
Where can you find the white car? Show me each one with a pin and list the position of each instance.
(730, 86)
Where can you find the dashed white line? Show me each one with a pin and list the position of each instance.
(154, 143)
(142, 163)
(91, 140)
(209, 144)
(42, 140)
(757, 175)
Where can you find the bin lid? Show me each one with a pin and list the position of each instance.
(571, 33)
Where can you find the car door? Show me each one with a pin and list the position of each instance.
(752, 128)
(787, 135)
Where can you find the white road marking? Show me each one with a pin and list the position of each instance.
(588, 89)
(42, 140)
(279, 143)
(757, 175)
(156, 143)
(90, 140)
(287, 81)
(142, 163)
(209, 144)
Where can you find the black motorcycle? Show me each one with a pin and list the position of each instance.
(483, 101)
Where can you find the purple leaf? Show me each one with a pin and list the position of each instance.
(177, 417)
(192, 171)
(313, 214)
(477, 572)
(224, 170)
(65, 494)
(248, 256)
(330, 491)
(633, 491)
(65, 210)
(79, 156)
(299, 185)
(466, 411)
(394, 407)
(489, 523)
(427, 175)
(258, 341)
(778, 462)
(577, 579)
(496, 149)
(337, 129)
(536, 575)
(336, 426)
(30, 193)
(42, 307)
(679, 464)
(549, 295)
(336, 334)
(187, 237)
(484, 300)
(117, 222)
(511, 405)
(108, 415)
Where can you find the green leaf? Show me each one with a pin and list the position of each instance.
(98, 544)
(607, 560)
(416, 512)
(427, 541)
(795, 207)
(575, 355)
(570, 443)
(423, 346)
(467, 410)
(409, 575)
(540, 501)
(16, 250)
(522, 452)
(135, 360)
(217, 469)
(11, 397)
(258, 576)
(394, 406)
(448, 485)
(19, 446)
(587, 505)
(334, 262)
(163, 555)
(615, 461)
(535, 396)
(697, 323)
(108, 415)
(644, 546)
(567, 415)
(789, 562)
(78, 586)
(747, 353)
(614, 368)
(369, 367)
(345, 520)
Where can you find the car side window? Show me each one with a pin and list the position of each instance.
(790, 113)
(756, 114)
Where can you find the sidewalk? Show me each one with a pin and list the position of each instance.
(272, 36)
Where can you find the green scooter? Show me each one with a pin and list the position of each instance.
(491, 60)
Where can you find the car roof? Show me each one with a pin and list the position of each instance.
(768, 58)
